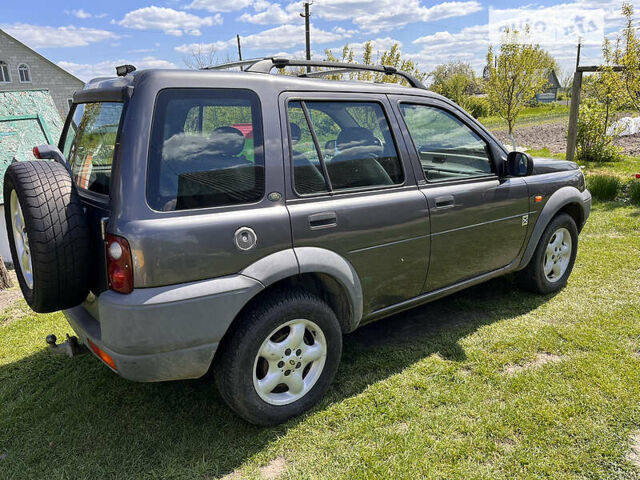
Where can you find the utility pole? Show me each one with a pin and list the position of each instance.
(572, 131)
(239, 50)
(306, 16)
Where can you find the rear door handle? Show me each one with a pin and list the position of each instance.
(323, 220)
(445, 201)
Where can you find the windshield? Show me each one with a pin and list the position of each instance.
(90, 144)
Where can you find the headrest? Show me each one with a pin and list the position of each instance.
(228, 140)
(296, 133)
(355, 137)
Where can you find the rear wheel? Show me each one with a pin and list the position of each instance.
(48, 235)
(554, 257)
(280, 358)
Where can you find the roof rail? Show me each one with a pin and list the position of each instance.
(265, 65)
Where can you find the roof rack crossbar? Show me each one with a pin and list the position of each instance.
(223, 66)
(265, 65)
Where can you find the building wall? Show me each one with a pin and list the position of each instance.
(44, 74)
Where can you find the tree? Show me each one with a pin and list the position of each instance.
(5, 279)
(202, 56)
(515, 75)
(625, 52)
(392, 57)
(454, 80)
(566, 83)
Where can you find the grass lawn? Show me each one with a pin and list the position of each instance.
(537, 115)
(490, 383)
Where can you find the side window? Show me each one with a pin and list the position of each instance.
(90, 144)
(205, 149)
(447, 148)
(24, 73)
(4, 72)
(350, 142)
(306, 162)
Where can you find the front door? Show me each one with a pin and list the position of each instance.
(478, 220)
(352, 191)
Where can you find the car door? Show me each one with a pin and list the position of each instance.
(478, 219)
(352, 190)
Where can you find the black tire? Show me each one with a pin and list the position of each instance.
(57, 232)
(533, 277)
(233, 367)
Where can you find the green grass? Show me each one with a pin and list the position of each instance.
(446, 391)
(538, 115)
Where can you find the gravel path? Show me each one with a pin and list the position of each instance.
(553, 137)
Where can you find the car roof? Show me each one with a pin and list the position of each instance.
(231, 79)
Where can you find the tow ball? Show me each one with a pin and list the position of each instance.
(71, 347)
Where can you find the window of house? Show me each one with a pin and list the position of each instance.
(206, 149)
(339, 146)
(4, 72)
(24, 73)
(447, 148)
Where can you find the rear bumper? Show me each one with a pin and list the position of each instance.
(163, 333)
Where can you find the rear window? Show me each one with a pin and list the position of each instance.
(206, 149)
(90, 143)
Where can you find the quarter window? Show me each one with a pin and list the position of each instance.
(206, 149)
(24, 73)
(447, 148)
(4, 72)
(90, 143)
(337, 146)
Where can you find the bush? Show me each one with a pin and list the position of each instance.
(593, 144)
(634, 192)
(603, 187)
(477, 106)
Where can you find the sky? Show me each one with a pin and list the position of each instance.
(90, 38)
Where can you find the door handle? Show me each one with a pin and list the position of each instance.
(445, 201)
(323, 220)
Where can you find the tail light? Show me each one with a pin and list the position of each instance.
(36, 152)
(119, 267)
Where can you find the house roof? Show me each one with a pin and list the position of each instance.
(552, 78)
(41, 56)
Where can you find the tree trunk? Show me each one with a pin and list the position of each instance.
(5, 279)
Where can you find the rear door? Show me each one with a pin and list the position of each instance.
(89, 143)
(351, 189)
(478, 220)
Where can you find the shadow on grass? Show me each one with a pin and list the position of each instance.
(73, 418)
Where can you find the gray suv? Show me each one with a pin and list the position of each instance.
(243, 222)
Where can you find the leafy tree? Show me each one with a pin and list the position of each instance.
(454, 80)
(392, 57)
(515, 75)
(625, 52)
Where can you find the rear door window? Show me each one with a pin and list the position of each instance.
(338, 146)
(206, 149)
(90, 144)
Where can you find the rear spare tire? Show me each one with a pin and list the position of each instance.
(48, 235)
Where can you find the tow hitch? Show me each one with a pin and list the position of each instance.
(71, 347)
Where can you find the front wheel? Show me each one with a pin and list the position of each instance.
(554, 257)
(279, 358)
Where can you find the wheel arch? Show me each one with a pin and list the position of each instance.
(564, 200)
(320, 271)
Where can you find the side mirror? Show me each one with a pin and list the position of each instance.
(519, 164)
(50, 152)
